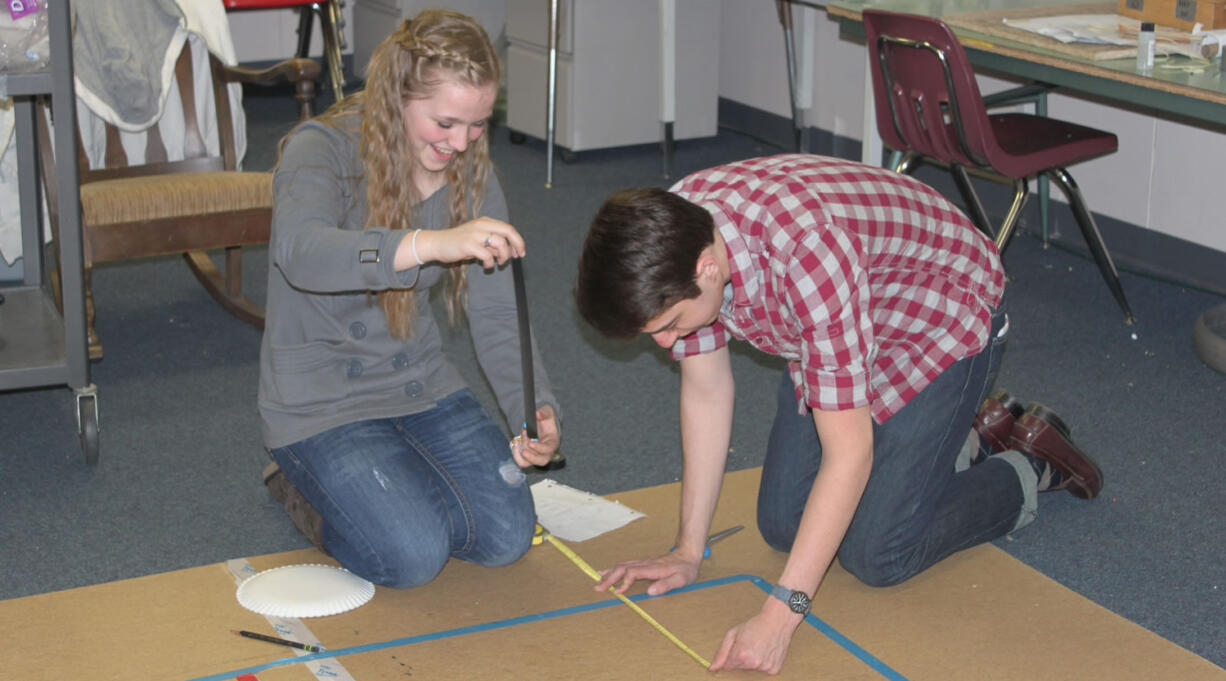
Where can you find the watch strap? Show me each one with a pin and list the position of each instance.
(797, 601)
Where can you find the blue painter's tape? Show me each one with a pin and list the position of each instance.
(829, 631)
(844, 642)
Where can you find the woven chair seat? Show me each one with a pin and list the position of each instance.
(156, 197)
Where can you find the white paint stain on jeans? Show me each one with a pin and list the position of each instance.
(511, 473)
(381, 478)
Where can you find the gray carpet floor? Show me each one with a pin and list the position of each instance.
(178, 482)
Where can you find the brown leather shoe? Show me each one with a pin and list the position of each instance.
(995, 419)
(1043, 435)
(305, 517)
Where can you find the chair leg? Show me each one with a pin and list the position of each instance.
(895, 160)
(904, 163)
(1021, 191)
(305, 18)
(1044, 206)
(329, 25)
(228, 290)
(1040, 109)
(338, 22)
(974, 208)
(1094, 239)
(234, 272)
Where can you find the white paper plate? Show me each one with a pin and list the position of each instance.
(304, 591)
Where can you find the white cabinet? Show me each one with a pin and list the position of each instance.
(608, 71)
(374, 20)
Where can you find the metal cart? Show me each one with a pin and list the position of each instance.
(42, 344)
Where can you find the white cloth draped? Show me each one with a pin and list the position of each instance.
(205, 28)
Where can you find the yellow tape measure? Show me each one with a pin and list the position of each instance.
(542, 536)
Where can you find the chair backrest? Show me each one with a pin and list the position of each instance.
(196, 157)
(926, 96)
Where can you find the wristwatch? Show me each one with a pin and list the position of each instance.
(798, 601)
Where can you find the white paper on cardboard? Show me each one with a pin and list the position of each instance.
(575, 515)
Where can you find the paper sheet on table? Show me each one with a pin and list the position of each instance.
(575, 515)
(1099, 29)
(1112, 29)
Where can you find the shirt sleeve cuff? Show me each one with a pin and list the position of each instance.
(377, 257)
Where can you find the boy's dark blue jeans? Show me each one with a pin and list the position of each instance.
(915, 509)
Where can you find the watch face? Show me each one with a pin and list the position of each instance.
(799, 602)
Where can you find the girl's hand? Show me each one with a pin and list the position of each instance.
(538, 452)
(491, 241)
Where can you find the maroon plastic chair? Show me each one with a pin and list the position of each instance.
(928, 105)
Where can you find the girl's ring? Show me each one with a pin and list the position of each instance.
(487, 240)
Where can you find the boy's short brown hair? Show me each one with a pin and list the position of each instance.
(639, 259)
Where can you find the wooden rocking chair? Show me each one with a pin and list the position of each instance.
(188, 206)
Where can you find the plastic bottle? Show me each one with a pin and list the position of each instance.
(1145, 47)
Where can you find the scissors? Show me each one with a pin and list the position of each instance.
(706, 550)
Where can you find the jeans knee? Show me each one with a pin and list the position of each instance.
(504, 539)
(506, 549)
(873, 564)
(779, 535)
(406, 566)
(502, 524)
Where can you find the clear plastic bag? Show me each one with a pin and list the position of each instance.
(24, 43)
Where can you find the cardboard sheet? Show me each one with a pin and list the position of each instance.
(977, 615)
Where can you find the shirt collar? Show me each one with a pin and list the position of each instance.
(740, 269)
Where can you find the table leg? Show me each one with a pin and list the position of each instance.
(668, 81)
(551, 104)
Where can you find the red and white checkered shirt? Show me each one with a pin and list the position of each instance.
(868, 282)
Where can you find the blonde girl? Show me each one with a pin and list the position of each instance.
(382, 455)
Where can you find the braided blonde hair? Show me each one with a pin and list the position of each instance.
(432, 47)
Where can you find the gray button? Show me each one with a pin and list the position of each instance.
(357, 330)
(413, 389)
(400, 361)
(355, 368)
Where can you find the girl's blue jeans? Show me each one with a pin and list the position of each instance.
(399, 496)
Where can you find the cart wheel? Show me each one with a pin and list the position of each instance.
(518, 137)
(87, 423)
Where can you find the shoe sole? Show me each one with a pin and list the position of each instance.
(269, 471)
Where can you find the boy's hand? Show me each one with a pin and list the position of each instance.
(761, 642)
(667, 572)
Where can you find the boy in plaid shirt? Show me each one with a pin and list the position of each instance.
(886, 302)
